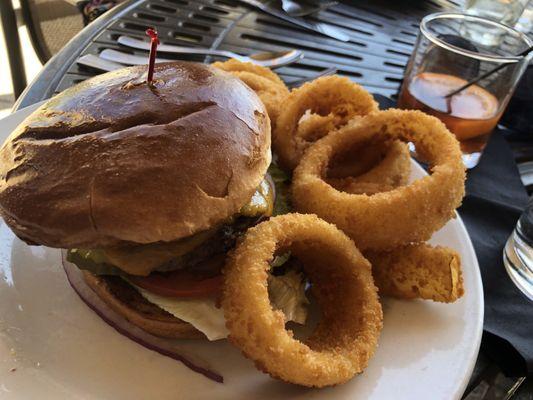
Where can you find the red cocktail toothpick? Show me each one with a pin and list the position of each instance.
(153, 50)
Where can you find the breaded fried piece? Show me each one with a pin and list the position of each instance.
(418, 271)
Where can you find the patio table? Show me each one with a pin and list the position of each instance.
(382, 35)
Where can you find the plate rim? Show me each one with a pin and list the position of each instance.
(480, 315)
(480, 300)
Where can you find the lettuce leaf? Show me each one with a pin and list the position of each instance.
(287, 294)
(282, 182)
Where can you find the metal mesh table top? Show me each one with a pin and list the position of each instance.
(382, 35)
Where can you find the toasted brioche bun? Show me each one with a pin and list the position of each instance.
(114, 160)
(126, 301)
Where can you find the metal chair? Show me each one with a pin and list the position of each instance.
(50, 23)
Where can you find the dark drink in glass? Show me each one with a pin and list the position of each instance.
(471, 114)
(444, 60)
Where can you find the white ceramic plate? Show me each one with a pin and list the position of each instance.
(52, 346)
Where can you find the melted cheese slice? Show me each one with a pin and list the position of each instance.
(200, 313)
(143, 259)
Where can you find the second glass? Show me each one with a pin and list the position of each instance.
(518, 253)
(505, 11)
(443, 60)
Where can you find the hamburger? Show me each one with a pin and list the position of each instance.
(147, 187)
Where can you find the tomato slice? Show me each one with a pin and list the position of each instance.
(179, 284)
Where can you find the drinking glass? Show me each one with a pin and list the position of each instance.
(505, 11)
(518, 253)
(525, 21)
(443, 60)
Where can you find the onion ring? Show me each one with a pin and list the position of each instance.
(342, 283)
(270, 94)
(266, 83)
(234, 65)
(404, 215)
(334, 97)
(391, 170)
(418, 272)
(312, 127)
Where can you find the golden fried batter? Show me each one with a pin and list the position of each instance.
(404, 215)
(347, 335)
(389, 169)
(266, 83)
(334, 98)
(418, 272)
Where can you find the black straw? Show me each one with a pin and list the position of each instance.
(488, 73)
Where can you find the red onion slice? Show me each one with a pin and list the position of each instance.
(124, 327)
